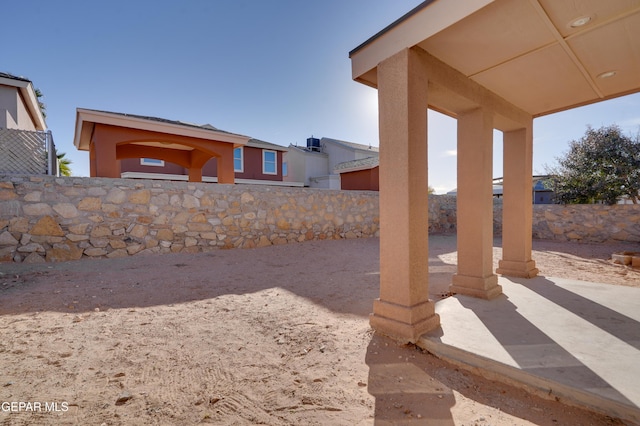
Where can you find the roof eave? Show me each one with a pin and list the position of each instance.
(85, 119)
(423, 21)
(29, 95)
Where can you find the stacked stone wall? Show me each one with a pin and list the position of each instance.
(44, 218)
(58, 219)
(587, 222)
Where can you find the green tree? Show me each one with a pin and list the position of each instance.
(43, 107)
(64, 164)
(602, 166)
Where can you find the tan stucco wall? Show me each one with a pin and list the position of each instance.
(13, 111)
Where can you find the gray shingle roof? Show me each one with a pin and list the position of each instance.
(13, 77)
(351, 145)
(361, 164)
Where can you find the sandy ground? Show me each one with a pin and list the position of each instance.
(275, 336)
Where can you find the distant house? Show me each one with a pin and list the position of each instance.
(257, 162)
(540, 193)
(316, 163)
(25, 146)
(360, 175)
(134, 146)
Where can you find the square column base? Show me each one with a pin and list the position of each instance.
(482, 288)
(517, 269)
(404, 323)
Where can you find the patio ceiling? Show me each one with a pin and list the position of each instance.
(542, 56)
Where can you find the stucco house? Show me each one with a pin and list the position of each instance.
(315, 164)
(134, 146)
(257, 162)
(360, 175)
(25, 146)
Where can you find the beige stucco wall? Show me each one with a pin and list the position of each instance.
(13, 111)
(8, 107)
(48, 218)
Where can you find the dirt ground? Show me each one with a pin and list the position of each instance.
(275, 336)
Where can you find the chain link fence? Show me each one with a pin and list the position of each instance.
(27, 152)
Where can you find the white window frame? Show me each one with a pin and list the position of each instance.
(241, 169)
(264, 162)
(151, 162)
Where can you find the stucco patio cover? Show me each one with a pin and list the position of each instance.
(110, 137)
(491, 65)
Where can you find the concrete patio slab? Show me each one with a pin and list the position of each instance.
(573, 340)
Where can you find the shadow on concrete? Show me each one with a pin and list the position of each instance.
(565, 339)
(534, 351)
(412, 386)
(613, 322)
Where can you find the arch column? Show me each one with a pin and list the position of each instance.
(517, 207)
(403, 310)
(475, 275)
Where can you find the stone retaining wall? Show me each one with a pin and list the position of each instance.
(44, 218)
(56, 219)
(587, 222)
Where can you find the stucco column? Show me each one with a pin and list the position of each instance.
(517, 210)
(475, 275)
(225, 165)
(106, 163)
(403, 310)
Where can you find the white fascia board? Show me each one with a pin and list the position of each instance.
(29, 95)
(416, 28)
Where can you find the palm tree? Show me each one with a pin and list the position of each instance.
(41, 104)
(63, 164)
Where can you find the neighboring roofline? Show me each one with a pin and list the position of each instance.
(257, 143)
(352, 145)
(86, 118)
(304, 150)
(25, 86)
(357, 165)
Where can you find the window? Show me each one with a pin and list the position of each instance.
(285, 172)
(151, 162)
(238, 157)
(269, 162)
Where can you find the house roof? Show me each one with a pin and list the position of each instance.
(305, 150)
(87, 118)
(25, 86)
(356, 165)
(542, 56)
(257, 143)
(351, 145)
(13, 77)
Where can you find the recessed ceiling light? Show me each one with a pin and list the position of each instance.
(578, 22)
(607, 74)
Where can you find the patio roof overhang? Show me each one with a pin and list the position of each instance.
(541, 56)
(86, 119)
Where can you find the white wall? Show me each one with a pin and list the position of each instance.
(305, 165)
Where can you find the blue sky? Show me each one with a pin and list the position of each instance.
(276, 70)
